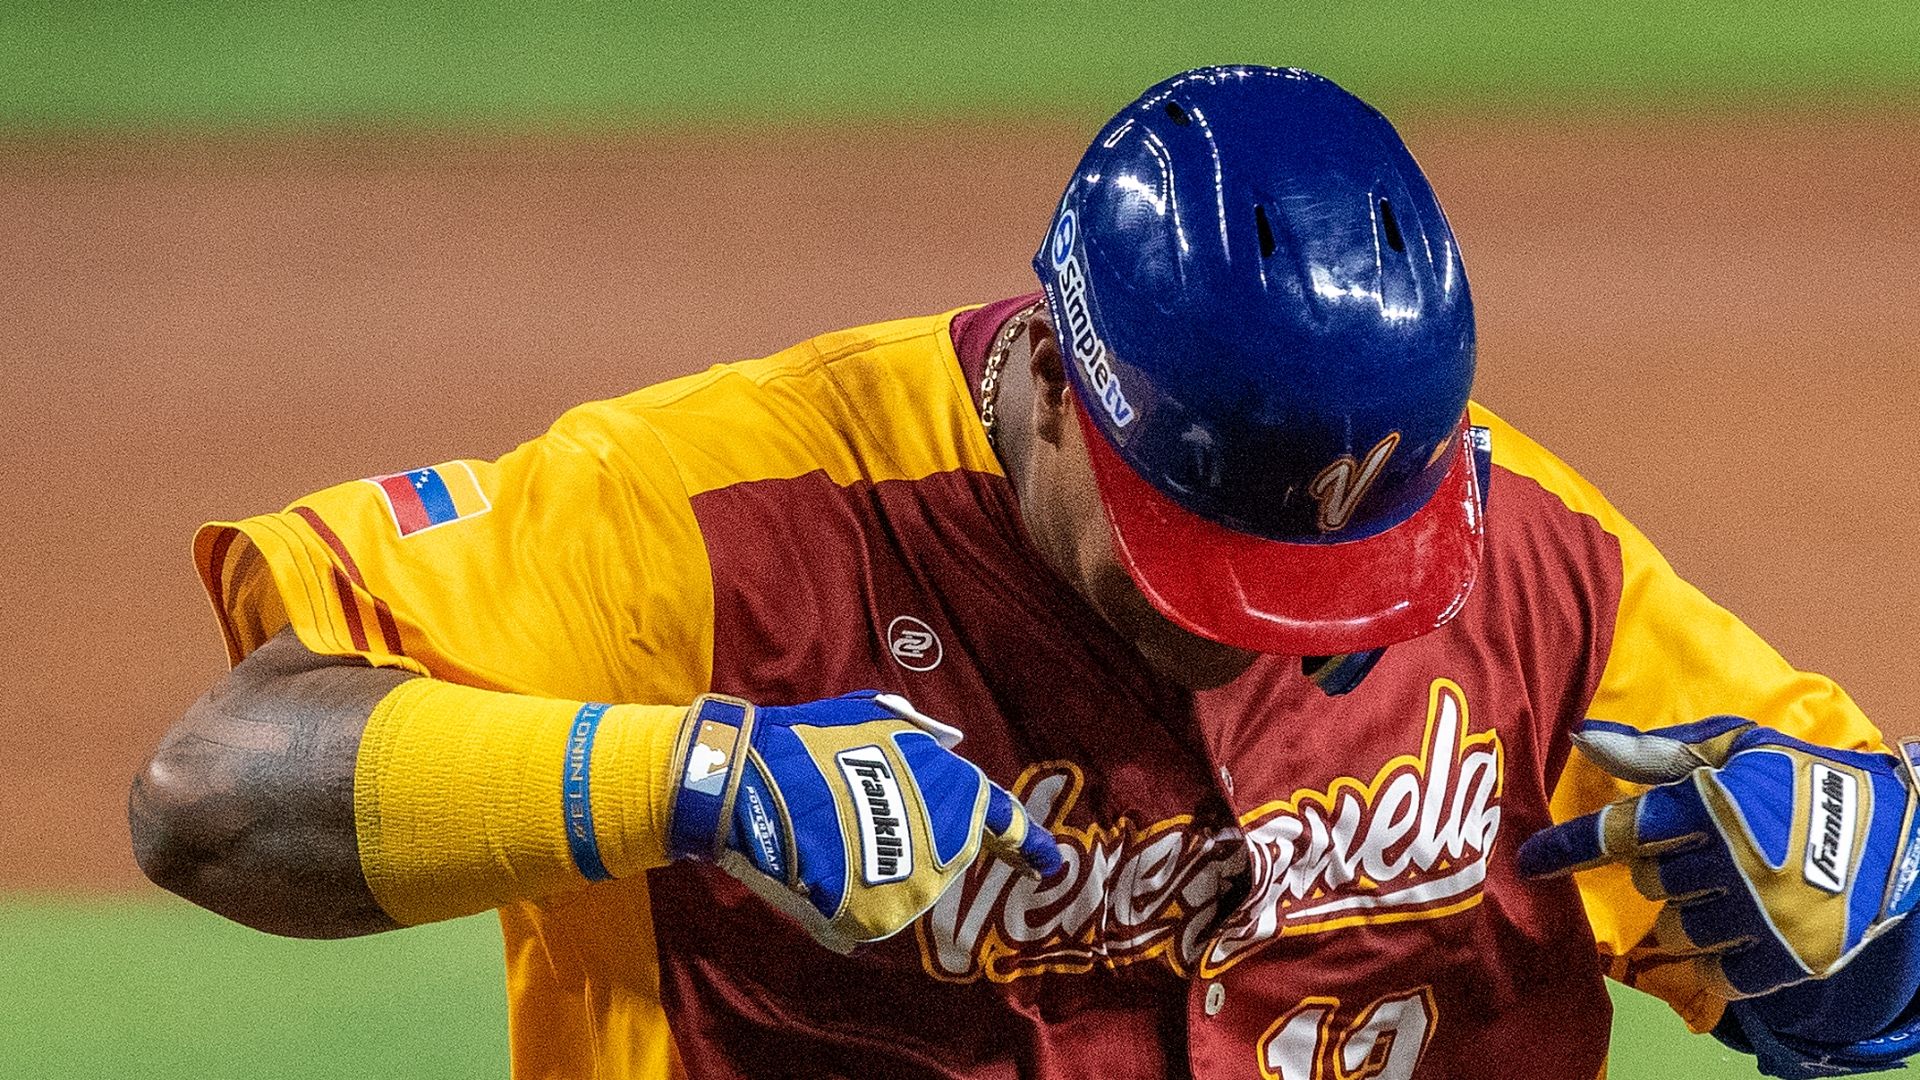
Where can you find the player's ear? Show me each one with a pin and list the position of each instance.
(1051, 409)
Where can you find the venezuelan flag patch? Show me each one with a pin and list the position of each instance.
(428, 498)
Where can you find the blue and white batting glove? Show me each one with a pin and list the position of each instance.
(851, 814)
(1777, 860)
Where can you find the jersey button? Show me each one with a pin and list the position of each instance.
(1216, 998)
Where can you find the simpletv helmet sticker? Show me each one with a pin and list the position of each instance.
(1088, 349)
(1064, 234)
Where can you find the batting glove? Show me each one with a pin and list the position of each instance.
(1777, 860)
(850, 814)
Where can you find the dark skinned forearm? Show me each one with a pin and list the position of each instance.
(246, 807)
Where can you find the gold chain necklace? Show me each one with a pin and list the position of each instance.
(997, 359)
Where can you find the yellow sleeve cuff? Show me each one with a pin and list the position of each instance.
(461, 797)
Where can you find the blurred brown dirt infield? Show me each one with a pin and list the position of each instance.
(1715, 318)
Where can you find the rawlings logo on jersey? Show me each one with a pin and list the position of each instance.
(1412, 843)
(1124, 894)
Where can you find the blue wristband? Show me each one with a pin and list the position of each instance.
(577, 795)
(713, 749)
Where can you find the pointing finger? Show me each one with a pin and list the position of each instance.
(1015, 837)
(1563, 848)
(1664, 819)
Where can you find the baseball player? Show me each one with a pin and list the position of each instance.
(1295, 688)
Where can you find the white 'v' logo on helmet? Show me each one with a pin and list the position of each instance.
(1341, 485)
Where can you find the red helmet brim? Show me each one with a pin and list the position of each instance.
(1295, 599)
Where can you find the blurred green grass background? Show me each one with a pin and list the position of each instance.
(147, 986)
(69, 64)
(159, 989)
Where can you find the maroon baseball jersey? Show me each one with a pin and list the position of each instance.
(1259, 881)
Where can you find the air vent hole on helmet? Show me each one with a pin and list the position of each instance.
(1266, 231)
(1178, 114)
(1391, 226)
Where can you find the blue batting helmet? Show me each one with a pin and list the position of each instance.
(1268, 332)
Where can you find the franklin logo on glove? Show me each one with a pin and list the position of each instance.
(1830, 829)
(851, 865)
(887, 855)
(1776, 861)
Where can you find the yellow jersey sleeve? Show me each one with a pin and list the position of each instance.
(571, 566)
(575, 565)
(589, 564)
(1674, 657)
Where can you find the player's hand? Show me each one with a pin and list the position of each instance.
(1777, 860)
(851, 814)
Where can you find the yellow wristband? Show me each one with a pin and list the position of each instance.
(468, 799)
